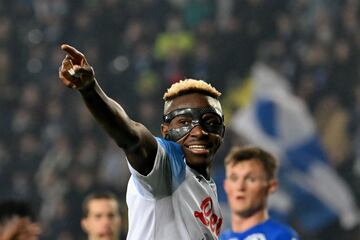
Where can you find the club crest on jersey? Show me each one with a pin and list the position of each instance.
(256, 236)
(208, 217)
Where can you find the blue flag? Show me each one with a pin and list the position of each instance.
(311, 193)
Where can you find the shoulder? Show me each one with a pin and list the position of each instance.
(168, 146)
(171, 149)
(226, 234)
(281, 229)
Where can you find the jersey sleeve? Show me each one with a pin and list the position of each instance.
(167, 173)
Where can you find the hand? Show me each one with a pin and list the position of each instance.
(75, 72)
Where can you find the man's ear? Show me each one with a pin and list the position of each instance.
(225, 184)
(164, 130)
(84, 224)
(273, 186)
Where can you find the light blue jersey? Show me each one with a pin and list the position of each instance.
(268, 230)
(173, 201)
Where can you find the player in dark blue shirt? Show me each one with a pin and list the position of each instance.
(250, 179)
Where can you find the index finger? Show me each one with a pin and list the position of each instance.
(73, 52)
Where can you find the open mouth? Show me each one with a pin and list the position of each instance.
(106, 235)
(199, 149)
(240, 198)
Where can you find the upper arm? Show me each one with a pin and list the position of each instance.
(167, 173)
(135, 139)
(141, 155)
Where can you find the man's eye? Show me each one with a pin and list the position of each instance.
(213, 123)
(254, 179)
(212, 120)
(251, 178)
(233, 178)
(184, 121)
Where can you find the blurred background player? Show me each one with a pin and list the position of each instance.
(101, 217)
(250, 179)
(17, 221)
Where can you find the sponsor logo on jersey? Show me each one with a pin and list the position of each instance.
(207, 216)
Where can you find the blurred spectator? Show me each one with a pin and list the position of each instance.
(101, 217)
(17, 221)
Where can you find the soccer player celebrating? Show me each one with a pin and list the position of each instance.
(170, 194)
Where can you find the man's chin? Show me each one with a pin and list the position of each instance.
(198, 160)
(106, 236)
(245, 213)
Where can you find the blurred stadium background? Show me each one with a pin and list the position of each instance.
(52, 152)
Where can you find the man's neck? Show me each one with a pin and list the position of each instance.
(205, 172)
(240, 223)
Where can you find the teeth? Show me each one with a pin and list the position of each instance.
(197, 147)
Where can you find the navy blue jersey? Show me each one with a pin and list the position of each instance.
(268, 230)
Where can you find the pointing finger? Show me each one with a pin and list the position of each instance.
(74, 54)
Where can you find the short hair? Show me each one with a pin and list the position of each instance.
(97, 196)
(12, 208)
(239, 154)
(188, 86)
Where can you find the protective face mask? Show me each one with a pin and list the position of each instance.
(210, 119)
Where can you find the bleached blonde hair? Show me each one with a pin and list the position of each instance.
(187, 86)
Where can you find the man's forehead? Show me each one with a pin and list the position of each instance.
(101, 203)
(194, 101)
(252, 164)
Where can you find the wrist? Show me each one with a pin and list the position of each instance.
(88, 87)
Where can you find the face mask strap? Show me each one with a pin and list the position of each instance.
(198, 112)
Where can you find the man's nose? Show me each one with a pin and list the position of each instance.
(198, 130)
(106, 221)
(241, 184)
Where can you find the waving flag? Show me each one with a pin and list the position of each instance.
(311, 192)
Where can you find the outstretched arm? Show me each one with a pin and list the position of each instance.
(138, 143)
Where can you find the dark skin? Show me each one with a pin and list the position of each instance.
(135, 139)
(200, 160)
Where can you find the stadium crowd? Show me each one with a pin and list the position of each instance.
(139, 47)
